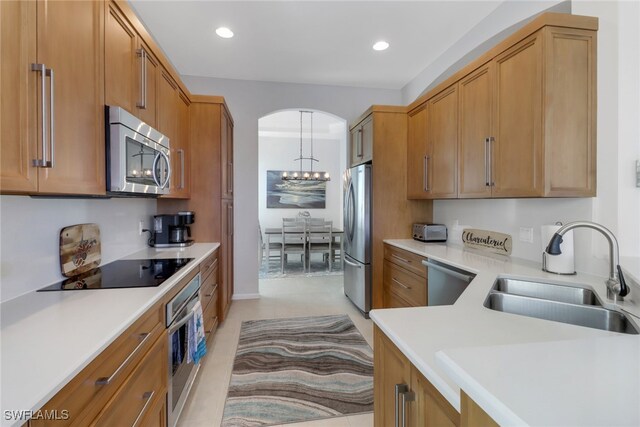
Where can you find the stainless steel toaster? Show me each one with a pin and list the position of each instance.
(430, 232)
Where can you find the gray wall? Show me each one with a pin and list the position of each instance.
(248, 101)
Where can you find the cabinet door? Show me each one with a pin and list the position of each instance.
(226, 165)
(517, 166)
(391, 368)
(147, 84)
(19, 101)
(416, 153)
(121, 63)
(226, 246)
(183, 152)
(168, 99)
(442, 145)
(430, 409)
(354, 145)
(70, 42)
(476, 109)
(367, 140)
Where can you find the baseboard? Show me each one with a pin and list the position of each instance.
(245, 296)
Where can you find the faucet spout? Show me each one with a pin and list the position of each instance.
(616, 284)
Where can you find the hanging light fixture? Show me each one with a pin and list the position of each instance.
(308, 175)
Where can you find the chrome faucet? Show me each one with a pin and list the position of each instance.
(616, 286)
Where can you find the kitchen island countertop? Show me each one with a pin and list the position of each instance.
(49, 337)
(504, 361)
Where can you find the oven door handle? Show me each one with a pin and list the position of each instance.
(181, 323)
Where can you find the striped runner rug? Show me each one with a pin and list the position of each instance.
(299, 369)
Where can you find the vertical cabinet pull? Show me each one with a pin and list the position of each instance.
(487, 180)
(492, 140)
(425, 173)
(44, 73)
(359, 144)
(402, 396)
(181, 152)
(143, 79)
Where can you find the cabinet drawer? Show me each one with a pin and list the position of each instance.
(406, 259)
(90, 390)
(146, 385)
(406, 285)
(208, 288)
(207, 266)
(211, 315)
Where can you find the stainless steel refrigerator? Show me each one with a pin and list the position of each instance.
(357, 236)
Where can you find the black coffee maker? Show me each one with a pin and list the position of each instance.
(172, 230)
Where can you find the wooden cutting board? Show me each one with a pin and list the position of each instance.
(79, 249)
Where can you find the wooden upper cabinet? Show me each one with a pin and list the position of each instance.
(120, 60)
(130, 68)
(63, 132)
(361, 142)
(476, 113)
(180, 151)
(226, 160)
(442, 144)
(147, 81)
(75, 87)
(417, 153)
(19, 104)
(517, 160)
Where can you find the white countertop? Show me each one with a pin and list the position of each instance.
(443, 339)
(49, 337)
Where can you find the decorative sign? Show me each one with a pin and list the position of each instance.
(488, 241)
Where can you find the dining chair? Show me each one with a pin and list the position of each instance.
(294, 240)
(320, 239)
(268, 248)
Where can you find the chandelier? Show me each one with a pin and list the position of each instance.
(306, 175)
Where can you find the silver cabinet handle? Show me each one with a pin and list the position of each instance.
(400, 258)
(400, 283)
(52, 133)
(181, 152)
(399, 389)
(106, 381)
(148, 396)
(487, 181)
(143, 78)
(425, 172)
(492, 140)
(359, 144)
(44, 73)
(445, 270)
(406, 396)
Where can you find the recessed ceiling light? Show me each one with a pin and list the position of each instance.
(381, 45)
(224, 32)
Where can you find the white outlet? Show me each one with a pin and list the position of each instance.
(526, 234)
(140, 227)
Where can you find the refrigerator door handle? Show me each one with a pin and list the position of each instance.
(352, 213)
(352, 264)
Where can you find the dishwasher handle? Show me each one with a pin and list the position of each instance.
(450, 272)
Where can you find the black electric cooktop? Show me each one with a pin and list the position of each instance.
(138, 273)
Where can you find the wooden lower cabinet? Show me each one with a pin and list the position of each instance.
(424, 405)
(144, 390)
(404, 278)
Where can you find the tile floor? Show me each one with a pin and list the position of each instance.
(289, 297)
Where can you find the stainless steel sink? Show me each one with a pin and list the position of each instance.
(581, 315)
(549, 291)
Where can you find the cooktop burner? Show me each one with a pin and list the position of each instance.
(138, 273)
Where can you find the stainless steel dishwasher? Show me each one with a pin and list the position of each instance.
(445, 283)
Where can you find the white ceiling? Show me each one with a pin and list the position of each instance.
(313, 42)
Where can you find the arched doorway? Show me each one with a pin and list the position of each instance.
(282, 136)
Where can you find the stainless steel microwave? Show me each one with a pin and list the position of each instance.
(137, 155)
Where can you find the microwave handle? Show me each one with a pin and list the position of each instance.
(166, 181)
(153, 169)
